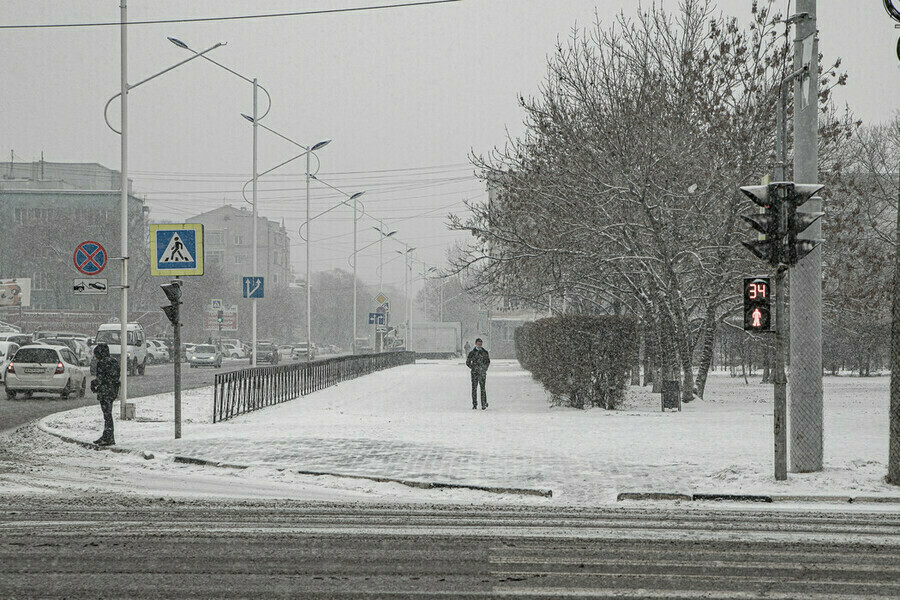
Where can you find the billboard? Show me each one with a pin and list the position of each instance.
(15, 292)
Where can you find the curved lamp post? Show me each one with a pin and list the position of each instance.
(307, 151)
(123, 199)
(256, 119)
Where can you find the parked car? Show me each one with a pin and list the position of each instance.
(43, 368)
(284, 352)
(157, 353)
(267, 353)
(7, 350)
(19, 338)
(232, 351)
(71, 344)
(205, 355)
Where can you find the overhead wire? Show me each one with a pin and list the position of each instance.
(323, 11)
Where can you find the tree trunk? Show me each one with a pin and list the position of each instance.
(706, 354)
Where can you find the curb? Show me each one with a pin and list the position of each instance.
(643, 496)
(425, 485)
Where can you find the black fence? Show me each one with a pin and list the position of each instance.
(246, 390)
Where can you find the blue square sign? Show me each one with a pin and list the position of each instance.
(253, 287)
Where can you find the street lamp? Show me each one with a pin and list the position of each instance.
(380, 229)
(307, 151)
(405, 254)
(123, 198)
(256, 119)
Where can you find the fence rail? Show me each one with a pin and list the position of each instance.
(246, 390)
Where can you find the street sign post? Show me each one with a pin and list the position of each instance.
(90, 258)
(87, 286)
(176, 249)
(253, 287)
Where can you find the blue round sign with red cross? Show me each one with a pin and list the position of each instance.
(90, 258)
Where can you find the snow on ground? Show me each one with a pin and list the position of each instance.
(415, 422)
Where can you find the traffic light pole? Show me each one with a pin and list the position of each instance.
(177, 371)
(780, 408)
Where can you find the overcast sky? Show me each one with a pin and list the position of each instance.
(404, 93)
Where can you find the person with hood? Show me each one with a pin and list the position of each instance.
(106, 386)
(478, 362)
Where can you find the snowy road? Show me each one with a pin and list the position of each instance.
(92, 546)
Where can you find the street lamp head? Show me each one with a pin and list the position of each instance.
(389, 233)
(248, 117)
(356, 195)
(178, 43)
(319, 145)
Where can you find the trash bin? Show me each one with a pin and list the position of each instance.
(671, 395)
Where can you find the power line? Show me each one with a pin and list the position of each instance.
(323, 11)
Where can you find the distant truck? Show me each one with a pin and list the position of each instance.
(437, 339)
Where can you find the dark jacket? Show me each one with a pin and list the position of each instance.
(106, 384)
(478, 360)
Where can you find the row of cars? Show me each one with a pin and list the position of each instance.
(46, 364)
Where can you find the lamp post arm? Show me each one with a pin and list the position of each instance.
(233, 72)
(143, 81)
(267, 171)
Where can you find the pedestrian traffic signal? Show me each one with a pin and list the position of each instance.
(798, 195)
(769, 247)
(173, 293)
(220, 316)
(757, 304)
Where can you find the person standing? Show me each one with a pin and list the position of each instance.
(106, 386)
(478, 362)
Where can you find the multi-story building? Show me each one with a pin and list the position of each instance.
(46, 211)
(228, 241)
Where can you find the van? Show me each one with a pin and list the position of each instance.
(109, 333)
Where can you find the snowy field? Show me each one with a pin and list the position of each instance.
(415, 422)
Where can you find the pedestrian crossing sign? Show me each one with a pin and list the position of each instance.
(176, 249)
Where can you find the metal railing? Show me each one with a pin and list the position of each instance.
(246, 390)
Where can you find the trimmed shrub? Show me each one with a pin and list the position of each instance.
(581, 360)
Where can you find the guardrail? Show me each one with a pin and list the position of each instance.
(239, 392)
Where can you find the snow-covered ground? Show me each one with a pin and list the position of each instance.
(415, 422)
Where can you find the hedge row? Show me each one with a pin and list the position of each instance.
(581, 360)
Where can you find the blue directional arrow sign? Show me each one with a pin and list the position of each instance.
(253, 287)
(376, 319)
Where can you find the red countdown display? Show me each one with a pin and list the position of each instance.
(757, 304)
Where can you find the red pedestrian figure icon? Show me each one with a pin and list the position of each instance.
(756, 316)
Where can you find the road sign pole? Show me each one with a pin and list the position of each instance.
(123, 201)
(255, 226)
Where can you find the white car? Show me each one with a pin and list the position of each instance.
(156, 352)
(7, 350)
(231, 351)
(42, 368)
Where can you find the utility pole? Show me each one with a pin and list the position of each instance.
(893, 476)
(806, 407)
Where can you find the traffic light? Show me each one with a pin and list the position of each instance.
(220, 316)
(173, 293)
(798, 195)
(769, 248)
(757, 304)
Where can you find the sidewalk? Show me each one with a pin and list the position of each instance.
(416, 423)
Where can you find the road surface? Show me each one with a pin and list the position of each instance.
(93, 547)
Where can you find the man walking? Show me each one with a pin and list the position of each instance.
(478, 362)
(106, 386)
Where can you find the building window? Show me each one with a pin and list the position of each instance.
(238, 240)
(240, 259)
(276, 258)
(216, 257)
(274, 277)
(20, 216)
(214, 238)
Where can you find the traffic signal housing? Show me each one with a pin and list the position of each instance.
(769, 247)
(797, 222)
(757, 304)
(173, 293)
(220, 317)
